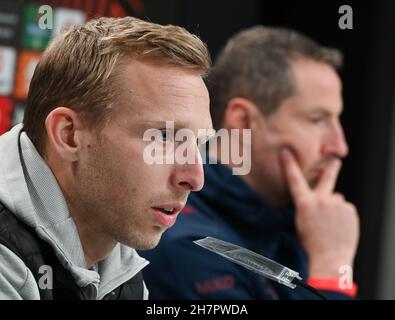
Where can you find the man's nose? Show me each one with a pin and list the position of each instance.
(189, 176)
(335, 143)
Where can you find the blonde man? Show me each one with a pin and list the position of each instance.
(76, 196)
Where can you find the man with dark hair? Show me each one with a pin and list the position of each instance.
(283, 87)
(76, 196)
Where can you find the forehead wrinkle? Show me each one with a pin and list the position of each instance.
(181, 91)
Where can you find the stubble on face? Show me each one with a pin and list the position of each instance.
(107, 199)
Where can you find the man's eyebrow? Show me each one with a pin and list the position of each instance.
(178, 124)
(323, 111)
(153, 122)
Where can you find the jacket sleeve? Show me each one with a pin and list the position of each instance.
(16, 280)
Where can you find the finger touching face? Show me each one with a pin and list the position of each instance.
(313, 115)
(307, 123)
(296, 181)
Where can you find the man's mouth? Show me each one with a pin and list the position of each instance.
(167, 214)
(166, 210)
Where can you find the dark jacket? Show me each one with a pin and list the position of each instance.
(36, 253)
(228, 209)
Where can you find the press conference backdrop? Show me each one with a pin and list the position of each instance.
(386, 289)
(22, 42)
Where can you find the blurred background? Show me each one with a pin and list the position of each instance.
(368, 175)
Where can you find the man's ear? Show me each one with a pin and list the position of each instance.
(62, 125)
(240, 114)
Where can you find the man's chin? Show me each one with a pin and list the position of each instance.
(146, 243)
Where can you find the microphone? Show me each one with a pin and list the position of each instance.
(257, 263)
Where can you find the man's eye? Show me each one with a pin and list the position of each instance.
(164, 135)
(316, 120)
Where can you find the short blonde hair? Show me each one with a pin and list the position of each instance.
(78, 69)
